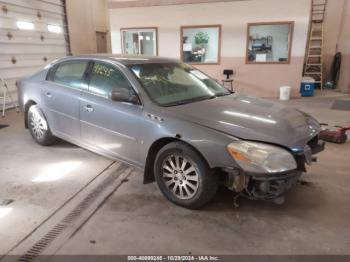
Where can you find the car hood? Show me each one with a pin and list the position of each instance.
(251, 118)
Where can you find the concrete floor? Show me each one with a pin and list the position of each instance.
(126, 217)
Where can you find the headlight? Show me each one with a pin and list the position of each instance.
(261, 158)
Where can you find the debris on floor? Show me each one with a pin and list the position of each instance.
(335, 134)
(304, 183)
(5, 202)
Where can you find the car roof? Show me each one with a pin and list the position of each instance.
(126, 59)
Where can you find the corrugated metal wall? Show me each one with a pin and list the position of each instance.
(23, 52)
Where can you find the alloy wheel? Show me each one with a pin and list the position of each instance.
(181, 176)
(38, 124)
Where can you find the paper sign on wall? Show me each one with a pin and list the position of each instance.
(187, 47)
(260, 58)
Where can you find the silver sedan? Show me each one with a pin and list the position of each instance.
(186, 131)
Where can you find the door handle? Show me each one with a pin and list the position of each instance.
(48, 94)
(89, 108)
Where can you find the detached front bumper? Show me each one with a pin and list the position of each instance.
(307, 155)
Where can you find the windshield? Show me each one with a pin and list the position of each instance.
(170, 84)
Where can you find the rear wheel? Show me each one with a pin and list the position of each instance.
(183, 176)
(39, 127)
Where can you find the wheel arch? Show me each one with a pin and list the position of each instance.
(152, 153)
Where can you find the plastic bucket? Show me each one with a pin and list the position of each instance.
(285, 92)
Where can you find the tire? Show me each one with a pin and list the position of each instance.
(39, 127)
(183, 176)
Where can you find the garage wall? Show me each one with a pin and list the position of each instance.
(344, 47)
(332, 27)
(85, 18)
(261, 80)
(23, 52)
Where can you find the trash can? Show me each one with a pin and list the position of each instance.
(307, 87)
(285, 92)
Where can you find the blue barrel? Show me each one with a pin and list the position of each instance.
(307, 87)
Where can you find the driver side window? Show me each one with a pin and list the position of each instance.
(106, 78)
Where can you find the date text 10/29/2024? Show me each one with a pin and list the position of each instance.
(173, 258)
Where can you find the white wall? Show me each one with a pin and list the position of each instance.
(234, 17)
(263, 80)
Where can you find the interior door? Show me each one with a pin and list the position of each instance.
(109, 126)
(60, 96)
(101, 42)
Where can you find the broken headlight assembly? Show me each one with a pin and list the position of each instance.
(260, 158)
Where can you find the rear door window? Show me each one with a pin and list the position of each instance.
(70, 73)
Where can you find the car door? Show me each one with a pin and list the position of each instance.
(109, 126)
(61, 96)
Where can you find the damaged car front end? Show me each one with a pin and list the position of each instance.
(267, 171)
(268, 145)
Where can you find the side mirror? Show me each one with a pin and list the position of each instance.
(123, 95)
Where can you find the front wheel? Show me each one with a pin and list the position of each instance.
(183, 176)
(39, 127)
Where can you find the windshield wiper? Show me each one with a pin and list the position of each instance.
(224, 94)
(187, 101)
(177, 103)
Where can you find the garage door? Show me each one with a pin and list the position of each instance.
(32, 33)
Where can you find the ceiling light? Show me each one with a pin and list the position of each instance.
(54, 29)
(25, 25)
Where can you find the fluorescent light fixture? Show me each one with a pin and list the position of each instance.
(23, 25)
(4, 211)
(55, 29)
